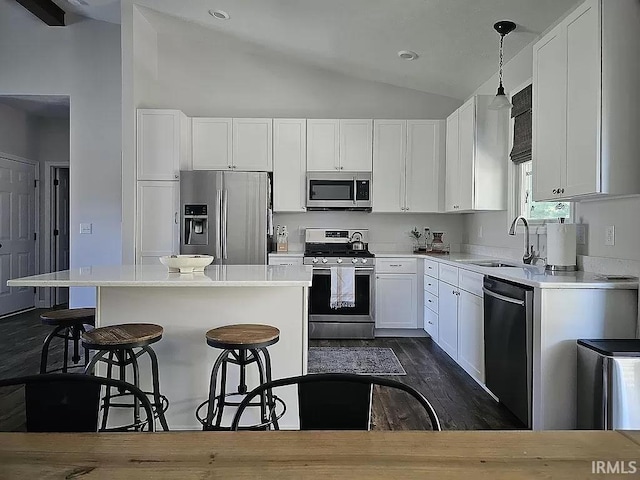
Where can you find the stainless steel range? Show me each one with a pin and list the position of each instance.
(327, 248)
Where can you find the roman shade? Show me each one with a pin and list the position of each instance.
(521, 113)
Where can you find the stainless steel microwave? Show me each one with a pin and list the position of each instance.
(339, 191)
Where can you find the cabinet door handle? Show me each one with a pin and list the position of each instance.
(562, 191)
(555, 191)
(176, 176)
(429, 301)
(229, 166)
(395, 265)
(175, 218)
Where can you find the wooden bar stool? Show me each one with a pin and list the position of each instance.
(69, 325)
(116, 345)
(242, 345)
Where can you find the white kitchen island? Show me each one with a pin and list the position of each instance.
(186, 306)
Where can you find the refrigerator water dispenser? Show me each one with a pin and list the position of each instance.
(195, 225)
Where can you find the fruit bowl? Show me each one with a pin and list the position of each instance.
(186, 263)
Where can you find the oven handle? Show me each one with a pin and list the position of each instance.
(326, 271)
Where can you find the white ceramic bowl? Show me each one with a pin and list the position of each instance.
(186, 263)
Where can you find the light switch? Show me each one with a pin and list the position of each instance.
(86, 228)
(581, 234)
(610, 236)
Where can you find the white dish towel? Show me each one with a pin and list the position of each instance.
(343, 287)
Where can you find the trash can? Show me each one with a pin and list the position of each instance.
(608, 384)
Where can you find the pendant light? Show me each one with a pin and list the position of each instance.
(501, 102)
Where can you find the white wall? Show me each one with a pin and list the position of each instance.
(595, 214)
(82, 61)
(387, 232)
(17, 133)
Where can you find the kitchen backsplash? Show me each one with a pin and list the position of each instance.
(387, 232)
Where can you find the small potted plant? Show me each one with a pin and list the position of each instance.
(416, 236)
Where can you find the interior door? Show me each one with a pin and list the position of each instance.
(17, 233)
(244, 218)
(60, 256)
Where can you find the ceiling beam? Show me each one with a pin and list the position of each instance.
(45, 10)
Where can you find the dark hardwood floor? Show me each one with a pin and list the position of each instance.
(461, 404)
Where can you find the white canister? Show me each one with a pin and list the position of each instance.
(561, 246)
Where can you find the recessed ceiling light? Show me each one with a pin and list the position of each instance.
(219, 14)
(407, 55)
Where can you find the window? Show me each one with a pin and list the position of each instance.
(536, 211)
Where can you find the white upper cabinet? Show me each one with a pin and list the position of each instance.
(389, 151)
(339, 145)
(212, 143)
(356, 145)
(453, 159)
(252, 144)
(160, 144)
(425, 167)
(477, 139)
(585, 71)
(289, 164)
(323, 145)
(408, 165)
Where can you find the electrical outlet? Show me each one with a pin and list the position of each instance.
(581, 234)
(610, 236)
(86, 228)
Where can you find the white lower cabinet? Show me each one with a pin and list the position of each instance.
(431, 323)
(396, 301)
(448, 319)
(158, 231)
(454, 315)
(471, 334)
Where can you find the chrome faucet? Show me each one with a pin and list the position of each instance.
(528, 250)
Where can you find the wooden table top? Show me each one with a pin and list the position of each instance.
(288, 454)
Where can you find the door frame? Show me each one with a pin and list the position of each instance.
(47, 300)
(36, 165)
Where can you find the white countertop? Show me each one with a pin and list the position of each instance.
(157, 276)
(534, 276)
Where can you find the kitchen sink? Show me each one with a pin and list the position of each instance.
(493, 264)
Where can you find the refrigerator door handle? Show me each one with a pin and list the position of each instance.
(225, 210)
(218, 224)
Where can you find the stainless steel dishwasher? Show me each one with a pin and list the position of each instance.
(508, 344)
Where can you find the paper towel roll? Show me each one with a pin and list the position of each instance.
(561, 244)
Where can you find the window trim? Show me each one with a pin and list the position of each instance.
(538, 227)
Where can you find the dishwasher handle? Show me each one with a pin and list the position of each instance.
(502, 297)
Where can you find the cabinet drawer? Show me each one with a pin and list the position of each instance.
(431, 301)
(396, 265)
(431, 323)
(431, 268)
(471, 281)
(448, 274)
(430, 285)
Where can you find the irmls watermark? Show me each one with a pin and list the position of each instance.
(617, 467)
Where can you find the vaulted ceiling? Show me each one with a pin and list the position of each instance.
(455, 40)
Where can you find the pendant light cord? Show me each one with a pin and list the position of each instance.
(501, 57)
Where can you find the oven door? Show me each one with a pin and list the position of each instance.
(354, 322)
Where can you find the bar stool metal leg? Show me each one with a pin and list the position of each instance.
(213, 384)
(44, 355)
(136, 382)
(221, 402)
(263, 398)
(272, 405)
(106, 401)
(156, 387)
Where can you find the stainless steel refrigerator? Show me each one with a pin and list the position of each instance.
(225, 214)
